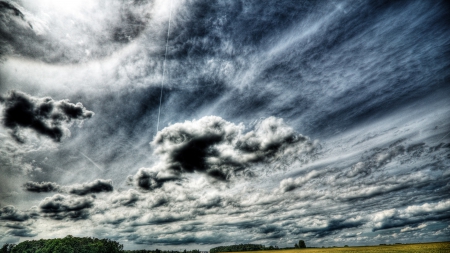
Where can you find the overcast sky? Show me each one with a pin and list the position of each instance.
(326, 121)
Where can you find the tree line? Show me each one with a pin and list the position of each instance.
(252, 247)
(68, 244)
(161, 251)
(239, 247)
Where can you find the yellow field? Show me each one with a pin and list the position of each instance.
(436, 247)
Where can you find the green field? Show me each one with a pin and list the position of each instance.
(435, 247)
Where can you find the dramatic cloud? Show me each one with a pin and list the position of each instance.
(414, 214)
(128, 198)
(96, 186)
(43, 115)
(26, 232)
(290, 184)
(19, 27)
(41, 186)
(9, 8)
(221, 149)
(222, 97)
(324, 226)
(160, 218)
(8, 13)
(60, 207)
(150, 179)
(10, 213)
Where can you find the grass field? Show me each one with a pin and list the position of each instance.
(436, 247)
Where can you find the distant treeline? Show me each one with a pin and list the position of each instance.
(63, 245)
(253, 247)
(70, 244)
(160, 251)
(241, 247)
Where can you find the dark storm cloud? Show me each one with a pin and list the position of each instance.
(41, 186)
(45, 116)
(8, 8)
(60, 207)
(184, 239)
(15, 225)
(220, 149)
(334, 225)
(242, 224)
(160, 218)
(270, 232)
(10, 213)
(316, 223)
(149, 180)
(26, 232)
(96, 186)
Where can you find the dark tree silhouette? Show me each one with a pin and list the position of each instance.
(301, 244)
(7, 248)
(69, 244)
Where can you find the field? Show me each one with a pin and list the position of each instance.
(437, 247)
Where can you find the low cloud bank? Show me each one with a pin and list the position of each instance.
(414, 214)
(41, 186)
(96, 186)
(10, 213)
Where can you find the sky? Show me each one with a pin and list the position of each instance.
(190, 124)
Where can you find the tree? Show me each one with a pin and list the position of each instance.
(301, 244)
(296, 245)
(4, 248)
(7, 248)
(70, 244)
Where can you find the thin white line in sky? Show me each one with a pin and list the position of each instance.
(164, 66)
(98, 167)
